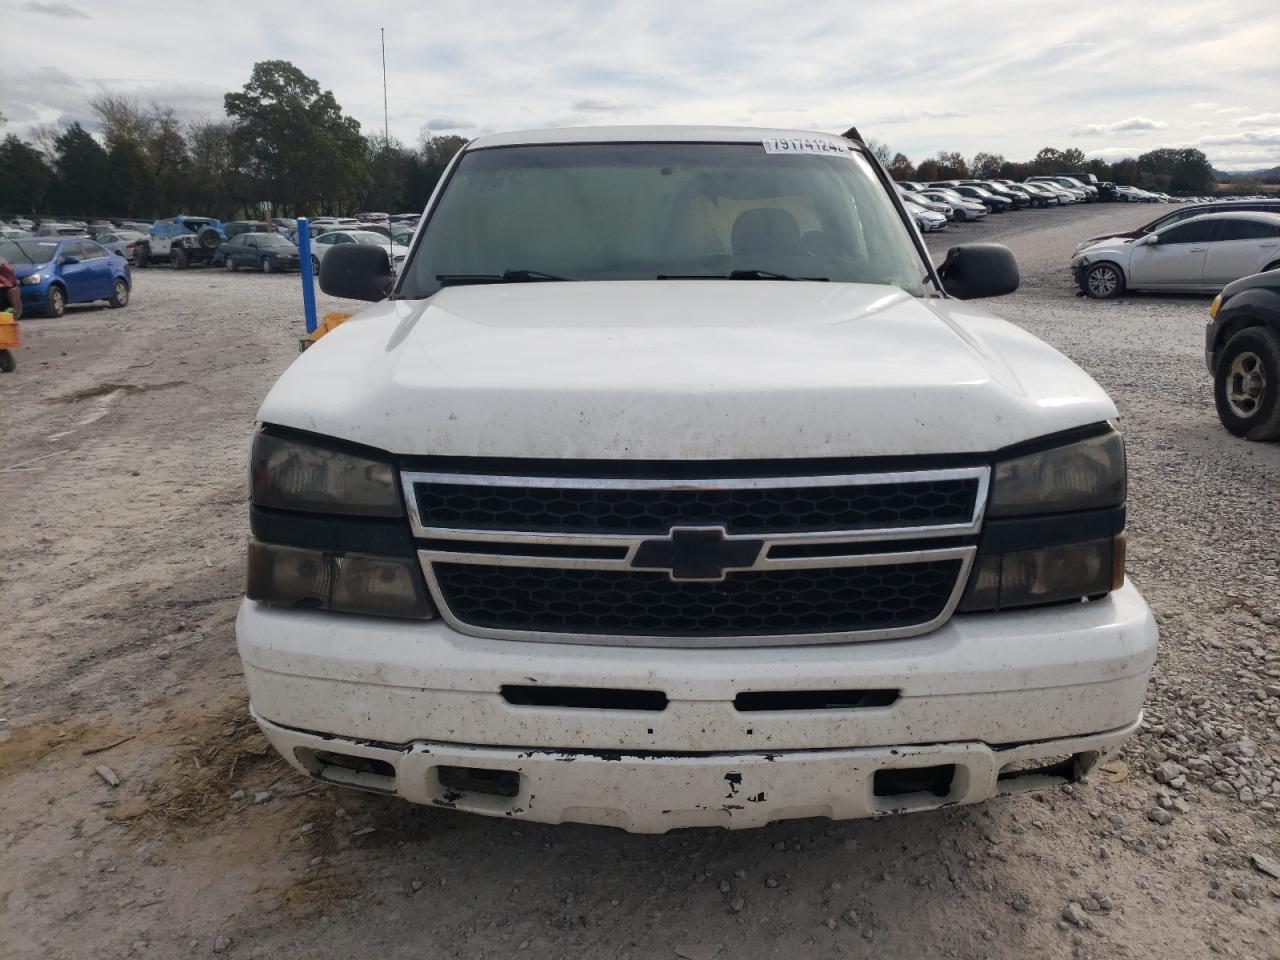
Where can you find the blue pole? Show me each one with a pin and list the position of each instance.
(308, 276)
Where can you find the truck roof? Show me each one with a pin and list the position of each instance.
(645, 134)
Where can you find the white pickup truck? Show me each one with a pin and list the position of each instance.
(670, 484)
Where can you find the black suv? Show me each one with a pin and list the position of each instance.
(1242, 349)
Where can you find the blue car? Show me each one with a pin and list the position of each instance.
(55, 271)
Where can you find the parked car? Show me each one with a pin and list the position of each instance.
(1065, 196)
(993, 203)
(926, 220)
(1186, 213)
(285, 225)
(14, 233)
(965, 209)
(1042, 194)
(323, 244)
(266, 251)
(1200, 254)
(1084, 192)
(936, 206)
(1016, 200)
(55, 271)
(398, 232)
(233, 228)
(1242, 350)
(53, 228)
(123, 243)
(182, 241)
(557, 551)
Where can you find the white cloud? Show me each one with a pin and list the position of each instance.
(448, 123)
(599, 105)
(1120, 126)
(1260, 120)
(1204, 105)
(65, 10)
(1253, 138)
(1233, 110)
(1112, 154)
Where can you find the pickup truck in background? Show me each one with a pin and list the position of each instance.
(668, 483)
(181, 241)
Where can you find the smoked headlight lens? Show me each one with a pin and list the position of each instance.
(1055, 527)
(288, 474)
(348, 583)
(1084, 475)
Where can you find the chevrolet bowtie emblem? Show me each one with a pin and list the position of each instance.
(697, 553)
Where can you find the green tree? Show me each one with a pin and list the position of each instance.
(952, 166)
(901, 168)
(83, 182)
(1048, 160)
(294, 144)
(1180, 170)
(929, 171)
(24, 177)
(986, 166)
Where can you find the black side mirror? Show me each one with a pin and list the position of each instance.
(356, 271)
(979, 270)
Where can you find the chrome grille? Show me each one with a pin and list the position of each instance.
(730, 562)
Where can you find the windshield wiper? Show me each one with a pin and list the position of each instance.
(737, 275)
(510, 276)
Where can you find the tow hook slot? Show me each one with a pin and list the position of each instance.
(481, 780)
(915, 781)
(349, 770)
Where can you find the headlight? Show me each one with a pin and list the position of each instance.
(1215, 307)
(289, 474)
(1055, 527)
(320, 540)
(1085, 475)
(30, 279)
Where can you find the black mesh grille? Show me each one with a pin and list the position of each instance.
(766, 510)
(837, 600)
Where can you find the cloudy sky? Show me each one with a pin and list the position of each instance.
(921, 75)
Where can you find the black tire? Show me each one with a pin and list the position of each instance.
(268, 266)
(1103, 281)
(119, 294)
(8, 363)
(1246, 385)
(179, 258)
(55, 303)
(208, 238)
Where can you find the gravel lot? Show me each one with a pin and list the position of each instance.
(122, 456)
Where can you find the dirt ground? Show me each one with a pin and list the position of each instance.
(123, 442)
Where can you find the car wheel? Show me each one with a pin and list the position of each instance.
(1104, 281)
(119, 295)
(268, 266)
(55, 302)
(1246, 386)
(180, 259)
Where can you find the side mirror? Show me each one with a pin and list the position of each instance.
(979, 270)
(356, 271)
(1149, 239)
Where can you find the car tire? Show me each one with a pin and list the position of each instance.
(268, 266)
(55, 303)
(1246, 385)
(1103, 281)
(119, 294)
(180, 259)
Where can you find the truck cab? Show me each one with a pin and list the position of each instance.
(669, 483)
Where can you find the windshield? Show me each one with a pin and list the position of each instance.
(28, 251)
(640, 211)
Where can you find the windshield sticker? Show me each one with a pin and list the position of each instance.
(811, 145)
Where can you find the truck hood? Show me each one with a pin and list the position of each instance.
(684, 369)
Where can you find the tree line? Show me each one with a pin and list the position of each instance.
(1167, 169)
(284, 140)
(287, 141)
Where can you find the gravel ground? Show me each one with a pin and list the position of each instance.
(122, 455)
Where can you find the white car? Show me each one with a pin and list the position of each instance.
(322, 244)
(927, 220)
(674, 486)
(1200, 254)
(964, 208)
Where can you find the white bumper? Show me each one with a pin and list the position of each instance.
(979, 693)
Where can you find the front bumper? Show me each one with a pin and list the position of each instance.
(978, 693)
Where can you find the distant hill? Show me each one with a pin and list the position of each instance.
(1271, 175)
